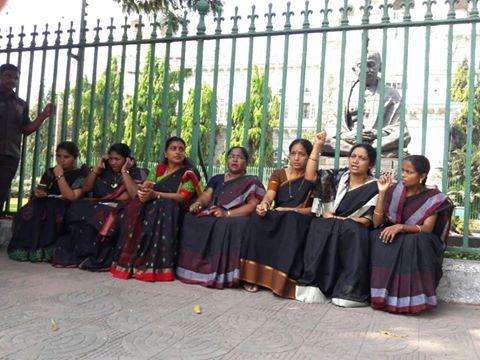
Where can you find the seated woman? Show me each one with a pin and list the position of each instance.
(149, 228)
(38, 224)
(273, 244)
(211, 235)
(90, 223)
(336, 250)
(407, 251)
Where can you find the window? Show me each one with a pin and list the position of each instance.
(286, 111)
(306, 110)
(394, 85)
(221, 109)
(313, 111)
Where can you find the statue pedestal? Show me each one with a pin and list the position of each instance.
(387, 164)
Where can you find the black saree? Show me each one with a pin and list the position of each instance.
(39, 223)
(91, 226)
(406, 272)
(336, 256)
(147, 248)
(210, 247)
(273, 245)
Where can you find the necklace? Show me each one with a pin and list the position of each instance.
(290, 195)
(116, 181)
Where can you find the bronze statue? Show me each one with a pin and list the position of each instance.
(391, 117)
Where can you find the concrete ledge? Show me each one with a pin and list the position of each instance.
(5, 232)
(460, 282)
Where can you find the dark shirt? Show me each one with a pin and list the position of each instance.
(13, 116)
(216, 181)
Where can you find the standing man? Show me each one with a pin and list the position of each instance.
(14, 122)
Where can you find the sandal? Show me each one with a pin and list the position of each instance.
(252, 288)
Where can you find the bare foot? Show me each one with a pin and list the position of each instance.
(250, 287)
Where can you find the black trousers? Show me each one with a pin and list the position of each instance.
(8, 168)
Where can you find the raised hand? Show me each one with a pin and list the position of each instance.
(128, 164)
(58, 170)
(320, 138)
(100, 166)
(384, 183)
(47, 111)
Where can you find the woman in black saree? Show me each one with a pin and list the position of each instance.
(273, 245)
(90, 223)
(38, 224)
(211, 235)
(407, 249)
(147, 247)
(336, 257)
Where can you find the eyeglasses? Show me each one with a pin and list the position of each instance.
(235, 157)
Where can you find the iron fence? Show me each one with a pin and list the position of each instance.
(133, 105)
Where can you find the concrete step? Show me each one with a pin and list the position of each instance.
(460, 282)
(5, 232)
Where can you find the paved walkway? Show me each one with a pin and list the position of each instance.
(99, 317)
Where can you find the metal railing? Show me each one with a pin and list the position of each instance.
(164, 92)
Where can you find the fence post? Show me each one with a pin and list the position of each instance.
(93, 89)
(286, 27)
(119, 116)
(151, 75)
(66, 90)
(106, 99)
(363, 69)
(325, 24)
(448, 97)
(77, 109)
(213, 120)
(202, 7)
(266, 95)
(344, 23)
(246, 120)
(53, 100)
(470, 117)
(381, 108)
(228, 134)
(181, 77)
(306, 25)
(165, 90)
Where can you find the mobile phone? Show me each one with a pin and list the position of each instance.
(106, 164)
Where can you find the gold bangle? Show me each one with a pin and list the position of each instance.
(378, 213)
(125, 172)
(310, 158)
(419, 228)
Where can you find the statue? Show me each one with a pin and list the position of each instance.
(391, 117)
